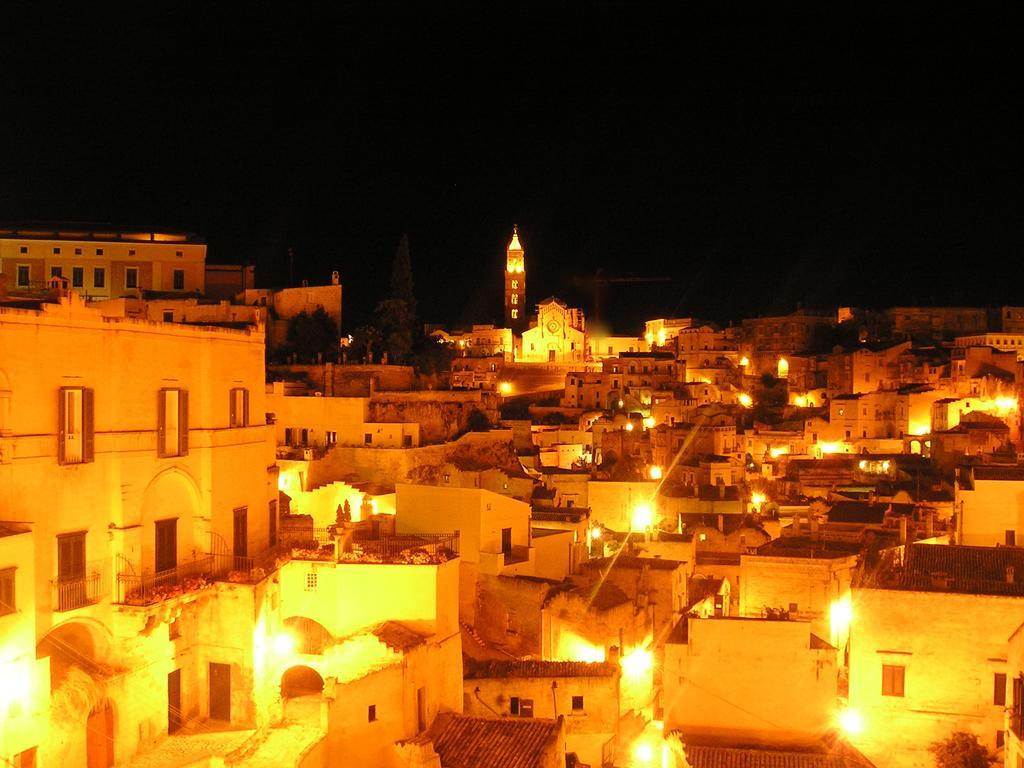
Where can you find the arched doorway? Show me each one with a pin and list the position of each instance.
(82, 717)
(171, 524)
(302, 690)
(310, 635)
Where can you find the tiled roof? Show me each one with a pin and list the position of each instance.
(840, 756)
(601, 597)
(560, 514)
(488, 669)
(959, 568)
(998, 473)
(804, 547)
(398, 636)
(857, 512)
(634, 561)
(471, 742)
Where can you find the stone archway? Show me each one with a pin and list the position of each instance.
(302, 691)
(310, 635)
(82, 717)
(171, 496)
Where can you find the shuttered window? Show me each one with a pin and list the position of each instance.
(239, 407)
(75, 428)
(172, 422)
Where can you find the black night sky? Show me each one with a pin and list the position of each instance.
(759, 164)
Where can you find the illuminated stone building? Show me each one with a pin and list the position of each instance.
(515, 284)
(558, 335)
(587, 694)
(865, 368)
(935, 322)
(990, 505)
(100, 261)
(712, 691)
(137, 454)
(929, 641)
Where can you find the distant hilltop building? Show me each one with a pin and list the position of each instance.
(101, 261)
(515, 284)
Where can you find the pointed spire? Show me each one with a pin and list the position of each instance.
(514, 245)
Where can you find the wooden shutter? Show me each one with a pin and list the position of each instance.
(182, 422)
(161, 422)
(245, 407)
(88, 444)
(62, 416)
(233, 409)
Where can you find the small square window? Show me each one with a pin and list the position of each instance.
(7, 604)
(371, 713)
(99, 251)
(793, 608)
(23, 249)
(131, 251)
(367, 438)
(178, 254)
(893, 678)
(78, 251)
(168, 315)
(577, 703)
(56, 249)
(513, 705)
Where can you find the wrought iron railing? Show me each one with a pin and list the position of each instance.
(306, 536)
(405, 548)
(249, 570)
(149, 588)
(78, 591)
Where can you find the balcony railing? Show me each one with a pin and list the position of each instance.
(78, 591)
(407, 548)
(249, 570)
(133, 589)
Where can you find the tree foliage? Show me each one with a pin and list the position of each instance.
(313, 337)
(960, 750)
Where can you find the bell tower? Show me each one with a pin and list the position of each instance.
(515, 284)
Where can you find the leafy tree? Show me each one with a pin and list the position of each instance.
(313, 336)
(960, 750)
(478, 422)
(395, 316)
(395, 323)
(432, 358)
(366, 337)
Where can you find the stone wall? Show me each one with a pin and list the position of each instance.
(441, 415)
(416, 465)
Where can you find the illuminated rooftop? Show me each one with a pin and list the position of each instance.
(95, 231)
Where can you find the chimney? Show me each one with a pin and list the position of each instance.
(721, 523)
(796, 524)
(903, 529)
(929, 522)
(721, 491)
(813, 520)
(1009, 574)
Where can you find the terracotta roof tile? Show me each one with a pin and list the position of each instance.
(489, 669)
(471, 742)
(959, 568)
(840, 756)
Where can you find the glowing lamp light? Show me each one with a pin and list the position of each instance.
(637, 663)
(621, 403)
(745, 400)
(505, 387)
(851, 722)
(643, 517)
(783, 367)
(629, 426)
(649, 422)
(643, 752)
(595, 533)
(649, 337)
(840, 615)
(655, 472)
(283, 644)
(778, 451)
(830, 447)
(744, 362)
(661, 337)
(758, 498)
